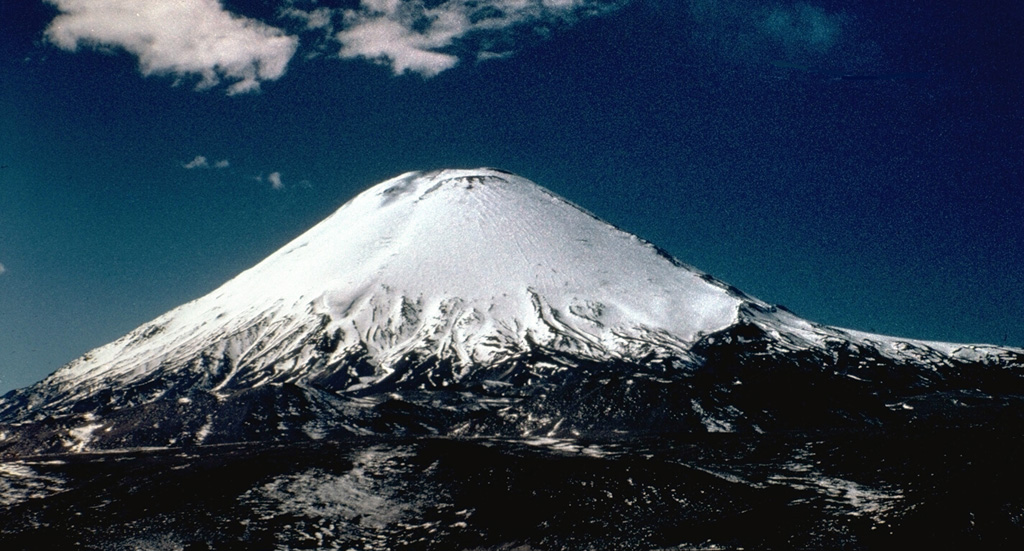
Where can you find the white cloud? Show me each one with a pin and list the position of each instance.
(202, 40)
(386, 40)
(275, 180)
(198, 162)
(2, 269)
(319, 18)
(420, 37)
(184, 38)
(201, 161)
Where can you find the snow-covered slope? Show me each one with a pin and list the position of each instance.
(459, 279)
(469, 264)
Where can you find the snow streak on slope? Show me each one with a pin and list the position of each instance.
(469, 265)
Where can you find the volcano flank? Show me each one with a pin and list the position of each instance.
(472, 312)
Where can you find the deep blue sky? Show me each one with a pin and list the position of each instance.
(861, 163)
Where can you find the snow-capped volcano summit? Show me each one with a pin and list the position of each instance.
(470, 302)
(466, 264)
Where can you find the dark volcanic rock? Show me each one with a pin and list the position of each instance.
(842, 490)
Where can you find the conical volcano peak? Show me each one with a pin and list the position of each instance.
(470, 265)
(482, 235)
(501, 246)
(470, 319)
(484, 285)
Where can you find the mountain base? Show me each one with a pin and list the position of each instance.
(953, 487)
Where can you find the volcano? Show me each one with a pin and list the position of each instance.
(455, 309)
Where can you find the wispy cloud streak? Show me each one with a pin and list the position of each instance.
(753, 32)
(202, 162)
(415, 36)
